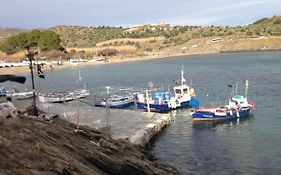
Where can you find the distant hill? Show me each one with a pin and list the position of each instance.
(275, 20)
(11, 31)
(6, 32)
(75, 36)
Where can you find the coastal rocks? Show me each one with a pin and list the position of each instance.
(34, 146)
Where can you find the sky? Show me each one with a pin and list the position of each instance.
(49, 13)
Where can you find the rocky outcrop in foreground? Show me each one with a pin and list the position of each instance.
(36, 146)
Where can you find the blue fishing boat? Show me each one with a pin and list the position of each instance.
(237, 107)
(163, 101)
(159, 104)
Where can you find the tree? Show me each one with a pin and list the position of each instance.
(34, 37)
(46, 40)
(49, 40)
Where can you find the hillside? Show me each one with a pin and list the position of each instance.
(4, 33)
(75, 36)
(163, 39)
(11, 31)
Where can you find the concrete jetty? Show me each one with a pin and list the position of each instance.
(139, 127)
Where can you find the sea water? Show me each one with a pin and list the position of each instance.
(250, 146)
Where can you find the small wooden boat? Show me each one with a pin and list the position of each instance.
(21, 95)
(54, 97)
(238, 107)
(63, 97)
(116, 101)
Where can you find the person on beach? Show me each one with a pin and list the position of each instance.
(8, 109)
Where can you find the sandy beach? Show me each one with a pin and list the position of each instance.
(25, 69)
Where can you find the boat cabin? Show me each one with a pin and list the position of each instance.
(238, 100)
(181, 91)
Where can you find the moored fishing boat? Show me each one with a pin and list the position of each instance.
(116, 101)
(237, 107)
(21, 95)
(163, 102)
(63, 97)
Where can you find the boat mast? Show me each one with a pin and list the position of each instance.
(107, 106)
(181, 76)
(246, 88)
(236, 88)
(183, 81)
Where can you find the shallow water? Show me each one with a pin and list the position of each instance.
(251, 146)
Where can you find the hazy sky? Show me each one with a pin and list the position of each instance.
(49, 13)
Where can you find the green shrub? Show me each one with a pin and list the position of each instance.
(46, 40)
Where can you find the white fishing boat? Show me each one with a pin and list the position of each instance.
(63, 97)
(21, 95)
(82, 93)
(116, 101)
(53, 97)
(163, 102)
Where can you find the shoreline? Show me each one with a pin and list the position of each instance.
(46, 68)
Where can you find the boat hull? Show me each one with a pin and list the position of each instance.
(210, 116)
(116, 102)
(117, 106)
(21, 95)
(153, 107)
(63, 97)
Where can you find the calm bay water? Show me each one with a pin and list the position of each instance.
(251, 146)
